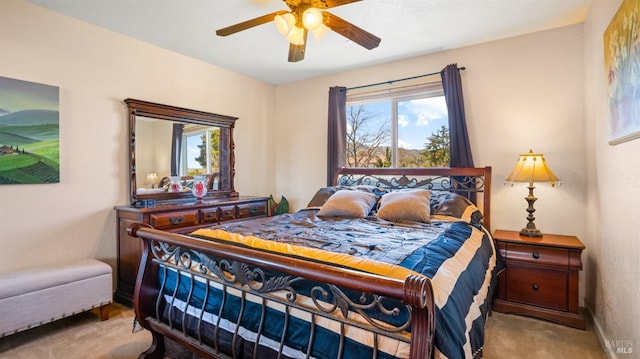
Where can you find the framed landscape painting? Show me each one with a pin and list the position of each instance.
(622, 65)
(29, 132)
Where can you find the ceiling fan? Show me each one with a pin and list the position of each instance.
(305, 16)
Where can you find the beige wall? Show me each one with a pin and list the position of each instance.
(520, 93)
(612, 216)
(96, 70)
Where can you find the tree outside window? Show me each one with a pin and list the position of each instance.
(202, 152)
(402, 131)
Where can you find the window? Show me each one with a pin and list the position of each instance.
(403, 127)
(201, 152)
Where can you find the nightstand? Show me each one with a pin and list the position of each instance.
(541, 277)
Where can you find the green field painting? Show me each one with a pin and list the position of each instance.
(29, 132)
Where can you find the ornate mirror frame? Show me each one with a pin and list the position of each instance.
(177, 114)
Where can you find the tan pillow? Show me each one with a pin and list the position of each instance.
(348, 204)
(407, 205)
(323, 194)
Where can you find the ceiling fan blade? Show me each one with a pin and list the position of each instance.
(350, 31)
(328, 4)
(229, 30)
(296, 52)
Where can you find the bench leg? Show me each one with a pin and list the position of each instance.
(104, 312)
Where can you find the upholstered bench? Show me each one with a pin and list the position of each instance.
(33, 297)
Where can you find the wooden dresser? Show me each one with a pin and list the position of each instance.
(541, 277)
(181, 217)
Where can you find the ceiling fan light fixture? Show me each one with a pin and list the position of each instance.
(296, 36)
(320, 31)
(312, 18)
(306, 16)
(285, 23)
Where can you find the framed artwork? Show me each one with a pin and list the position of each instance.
(29, 132)
(622, 65)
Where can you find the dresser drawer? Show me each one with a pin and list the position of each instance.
(537, 255)
(256, 209)
(209, 215)
(544, 288)
(227, 213)
(174, 219)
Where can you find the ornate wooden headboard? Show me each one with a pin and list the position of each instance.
(473, 183)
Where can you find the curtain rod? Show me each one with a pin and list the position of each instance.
(398, 80)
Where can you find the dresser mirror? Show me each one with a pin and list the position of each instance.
(171, 147)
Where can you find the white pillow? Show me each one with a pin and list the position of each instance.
(406, 205)
(348, 204)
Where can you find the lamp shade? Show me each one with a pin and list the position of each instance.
(284, 23)
(312, 18)
(152, 178)
(320, 32)
(532, 167)
(296, 36)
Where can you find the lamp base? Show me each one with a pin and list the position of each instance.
(529, 232)
(530, 229)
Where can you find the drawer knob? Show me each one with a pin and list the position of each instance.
(253, 210)
(536, 255)
(535, 287)
(176, 220)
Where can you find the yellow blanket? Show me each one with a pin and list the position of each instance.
(344, 260)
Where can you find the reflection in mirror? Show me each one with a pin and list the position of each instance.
(196, 148)
(171, 145)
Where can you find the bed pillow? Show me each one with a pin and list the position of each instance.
(406, 205)
(448, 204)
(323, 194)
(347, 203)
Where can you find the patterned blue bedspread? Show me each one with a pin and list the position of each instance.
(458, 256)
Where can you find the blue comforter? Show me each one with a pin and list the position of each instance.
(458, 256)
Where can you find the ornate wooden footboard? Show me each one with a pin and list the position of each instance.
(244, 269)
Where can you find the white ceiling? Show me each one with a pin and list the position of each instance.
(407, 28)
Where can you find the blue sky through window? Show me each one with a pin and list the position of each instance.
(193, 151)
(417, 119)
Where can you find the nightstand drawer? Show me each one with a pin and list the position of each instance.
(174, 219)
(537, 255)
(537, 287)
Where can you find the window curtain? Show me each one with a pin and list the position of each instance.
(337, 131)
(460, 149)
(176, 148)
(460, 152)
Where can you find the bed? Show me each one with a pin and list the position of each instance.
(362, 272)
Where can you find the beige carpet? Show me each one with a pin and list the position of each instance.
(85, 336)
(512, 336)
(82, 336)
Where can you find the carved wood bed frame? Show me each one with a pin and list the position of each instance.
(244, 269)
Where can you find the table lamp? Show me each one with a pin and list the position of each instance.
(532, 167)
(152, 178)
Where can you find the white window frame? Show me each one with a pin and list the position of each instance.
(394, 95)
(195, 131)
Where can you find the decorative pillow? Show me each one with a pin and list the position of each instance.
(449, 204)
(346, 203)
(323, 194)
(406, 205)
